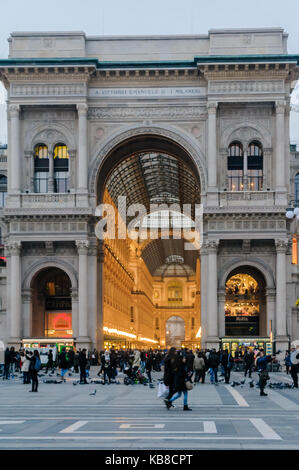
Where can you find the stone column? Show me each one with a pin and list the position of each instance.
(72, 171)
(82, 148)
(82, 247)
(280, 162)
(14, 249)
(267, 172)
(75, 327)
(51, 173)
(204, 294)
(213, 332)
(270, 307)
(245, 172)
(281, 319)
(221, 312)
(26, 309)
(100, 306)
(212, 153)
(14, 111)
(92, 293)
(29, 162)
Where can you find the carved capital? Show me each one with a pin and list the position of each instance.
(14, 110)
(212, 246)
(82, 246)
(13, 248)
(280, 107)
(281, 245)
(93, 250)
(212, 107)
(82, 109)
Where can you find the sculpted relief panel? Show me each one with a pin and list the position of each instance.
(152, 112)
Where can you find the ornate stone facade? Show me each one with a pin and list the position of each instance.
(93, 101)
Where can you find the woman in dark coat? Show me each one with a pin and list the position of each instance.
(180, 384)
(170, 363)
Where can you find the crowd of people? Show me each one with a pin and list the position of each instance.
(182, 368)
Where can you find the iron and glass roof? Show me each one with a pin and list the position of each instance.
(154, 178)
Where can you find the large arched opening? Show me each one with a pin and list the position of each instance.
(51, 304)
(245, 307)
(158, 174)
(175, 332)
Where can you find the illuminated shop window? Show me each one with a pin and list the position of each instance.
(242, 305)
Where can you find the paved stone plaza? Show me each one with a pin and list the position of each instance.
(64, 416)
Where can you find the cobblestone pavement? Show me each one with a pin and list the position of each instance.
(64, 416)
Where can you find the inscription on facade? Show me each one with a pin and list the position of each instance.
(150, 92)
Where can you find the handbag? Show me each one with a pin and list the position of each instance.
(188, 385)
(163, 390)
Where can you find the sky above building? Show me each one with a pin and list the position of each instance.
(135, 17)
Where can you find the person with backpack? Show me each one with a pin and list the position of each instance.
(34, 368)
(63, 363)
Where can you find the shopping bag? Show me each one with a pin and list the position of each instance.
(163, 390)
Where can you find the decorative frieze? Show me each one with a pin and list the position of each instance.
(55, 90)
(247, 225)
(165, 112)
(47, 227)
(245, 86)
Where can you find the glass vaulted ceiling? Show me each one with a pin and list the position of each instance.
(154, 178)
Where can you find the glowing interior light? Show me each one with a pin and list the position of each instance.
(198, 335)
(148, 340)
(118, 332)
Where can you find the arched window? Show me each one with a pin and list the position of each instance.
(255, 167)
(297, 188)
(41, 168)
(175, 293)
(3, 190)
(61, 168)
(235, 163)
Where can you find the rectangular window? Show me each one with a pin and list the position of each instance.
(235, 180)
(255, 180)
(2, 198)
(41, 182)
(61, 181)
